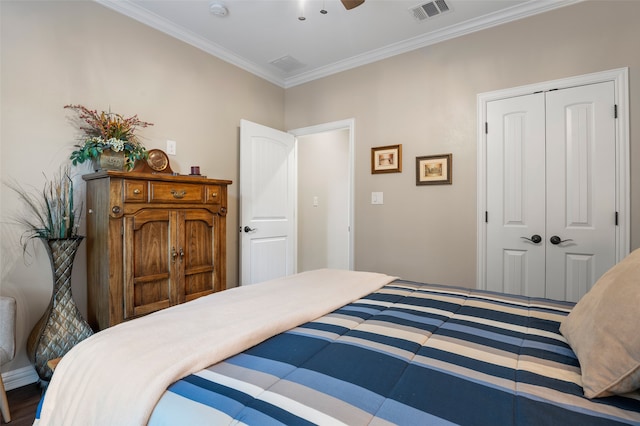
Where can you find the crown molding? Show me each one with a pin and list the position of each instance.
(514, 13)
(530, 8)
(159, 23)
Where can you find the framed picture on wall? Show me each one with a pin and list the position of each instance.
(434, 169)
(386, 159)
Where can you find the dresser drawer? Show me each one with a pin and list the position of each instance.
(135, 191)
(213, 194)
(168, 192)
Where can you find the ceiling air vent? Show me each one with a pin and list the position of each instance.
(429, 10)
(287, 63)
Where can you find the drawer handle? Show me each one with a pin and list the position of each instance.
(178, 194)
(214, 195)
(136, 191)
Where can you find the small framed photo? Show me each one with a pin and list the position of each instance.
(386, 159)
(434, 169)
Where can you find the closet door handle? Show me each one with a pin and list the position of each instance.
(555, 240)
(535, 238)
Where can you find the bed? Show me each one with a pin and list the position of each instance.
(344, 348)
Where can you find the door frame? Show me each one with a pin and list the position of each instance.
(348, 124)
(620, 78)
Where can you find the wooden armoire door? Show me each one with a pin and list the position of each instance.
(169, 258)
(149, 261)
(197, 251)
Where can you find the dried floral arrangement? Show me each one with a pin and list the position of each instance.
(107, 130)
(53, 212)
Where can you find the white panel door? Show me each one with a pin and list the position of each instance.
(267, 203)
(551, 188)
(516, 195)
(581, 182)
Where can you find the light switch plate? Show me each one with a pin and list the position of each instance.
(377, 198)
(171, 147)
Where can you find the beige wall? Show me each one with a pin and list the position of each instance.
(55, 53)
(426, 101)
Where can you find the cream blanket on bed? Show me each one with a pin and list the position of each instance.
(116, 377)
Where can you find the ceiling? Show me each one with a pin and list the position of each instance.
(267, 38)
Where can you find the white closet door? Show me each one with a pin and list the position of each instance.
(516, 195)
(551, 172)
(581, 183)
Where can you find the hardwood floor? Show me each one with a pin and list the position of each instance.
(23, 403)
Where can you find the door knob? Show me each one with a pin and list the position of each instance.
(247, 229)
(535, 238)
(555, 240)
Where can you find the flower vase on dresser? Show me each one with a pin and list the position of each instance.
(62, 326)
(110, 160)
(108, 139)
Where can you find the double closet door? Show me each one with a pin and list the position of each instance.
(551, 191)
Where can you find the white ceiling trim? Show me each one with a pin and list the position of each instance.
(507, 15)
(524, 10)
(161, 24)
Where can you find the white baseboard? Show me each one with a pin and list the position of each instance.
(21, 377)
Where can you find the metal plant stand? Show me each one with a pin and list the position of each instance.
(62, 326)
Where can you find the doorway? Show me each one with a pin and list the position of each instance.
(323, 200)
(325, 195)
(268, 200)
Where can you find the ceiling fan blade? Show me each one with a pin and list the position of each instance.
(350, 4)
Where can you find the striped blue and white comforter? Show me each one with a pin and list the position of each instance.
(412, 354)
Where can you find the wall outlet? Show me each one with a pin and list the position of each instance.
(171, 147)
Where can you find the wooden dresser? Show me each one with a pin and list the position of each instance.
(153, 241)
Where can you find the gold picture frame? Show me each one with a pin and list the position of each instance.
(386, 159)
(434, 169)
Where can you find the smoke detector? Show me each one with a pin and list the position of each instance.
(218, 8)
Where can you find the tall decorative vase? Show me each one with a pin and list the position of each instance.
(62, 326)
